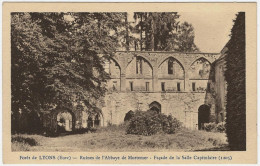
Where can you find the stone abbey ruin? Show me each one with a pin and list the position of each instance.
(189, 86)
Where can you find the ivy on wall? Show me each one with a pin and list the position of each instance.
(236, 92)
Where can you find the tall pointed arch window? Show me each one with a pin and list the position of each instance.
(170, 66)
(139, 66)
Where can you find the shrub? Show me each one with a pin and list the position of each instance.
(92, 129)
(129, 115)
(150, 123)
(50, 132)
(210, 126)
(80, 131)
(221, 127)
(173, 125)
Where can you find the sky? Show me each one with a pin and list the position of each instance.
(211, 29)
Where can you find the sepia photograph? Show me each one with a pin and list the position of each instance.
(128, 81)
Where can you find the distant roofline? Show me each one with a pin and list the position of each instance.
(171, 52)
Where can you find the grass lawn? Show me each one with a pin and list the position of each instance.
(114, 139)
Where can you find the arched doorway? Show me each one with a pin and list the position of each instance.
(203, 116)
(94, 120)
(65, 121)
(155, 106)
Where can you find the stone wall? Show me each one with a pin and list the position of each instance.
(186, 67)
(140, 78)
(184, 106)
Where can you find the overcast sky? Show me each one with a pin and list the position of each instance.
(212, 29)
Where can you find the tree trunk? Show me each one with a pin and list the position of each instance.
(127, 33)
(141, 33)
(152, 35)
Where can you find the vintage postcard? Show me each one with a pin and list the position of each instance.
(129, 83)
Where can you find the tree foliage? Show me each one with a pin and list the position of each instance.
(55, 58)
(183, 39)
(236, 92)
(56, 62)
(163, 31)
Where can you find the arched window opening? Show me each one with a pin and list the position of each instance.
(200, 69)
(170, 66)
(203, 116)
(139, 65)
(94, 120)
(114, 69)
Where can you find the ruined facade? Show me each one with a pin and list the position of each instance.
(189, 86)
(180, 84)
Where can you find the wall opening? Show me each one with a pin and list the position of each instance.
(114, 86)
(94, 120)
(221, 117)
(163, 86)
(200, 69)
(147, 86)
(139, 65)
(208, 86)
(112, 67)
(203, 116)
(97, 120)
(90, 122)
(193, 86)
(155, 106)
(131, 86)
(64, 120)
(170, 66)
(178, 86)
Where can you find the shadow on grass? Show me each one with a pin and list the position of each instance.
(29, 141)
(65, 133)
(222, 148)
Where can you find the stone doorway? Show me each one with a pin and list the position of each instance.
(64, 120)
(155, 106)
(94, 120)
(203, 116)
